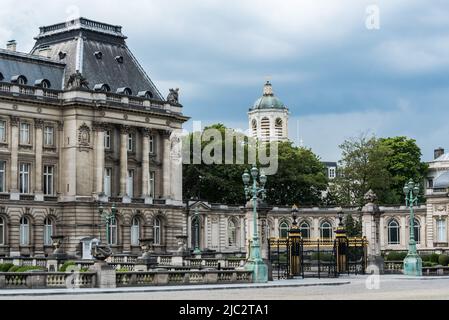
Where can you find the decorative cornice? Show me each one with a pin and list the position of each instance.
(165, 133)
(126, 129)
(146, 132)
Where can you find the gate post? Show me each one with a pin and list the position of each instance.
(341, 245)
(294, 246)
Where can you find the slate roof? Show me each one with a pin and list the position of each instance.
(34, 68)
(75, 44)
(442, 181)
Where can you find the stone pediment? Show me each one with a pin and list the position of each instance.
(202, 206)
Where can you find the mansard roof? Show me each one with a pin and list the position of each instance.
(32, 67)
(98, 51)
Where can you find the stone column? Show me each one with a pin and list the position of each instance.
(38, 190)
(124, 132)
(99, 157)
(371, 230)
(14, 190)
(145, 163)
(60, 140)
(166, 165)
(176, 167)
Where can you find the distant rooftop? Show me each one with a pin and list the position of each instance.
(81, 23)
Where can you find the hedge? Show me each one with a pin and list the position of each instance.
(443, 260)
(66, 264)
(5, 267)
(396, 256)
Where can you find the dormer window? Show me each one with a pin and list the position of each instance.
(62, 55)
(145, 94)
(43, 83)
(125, 91)
(119, 59)
(102, 87)
(98, 55)
(19, 79)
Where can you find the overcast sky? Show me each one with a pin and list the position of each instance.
(338, 77)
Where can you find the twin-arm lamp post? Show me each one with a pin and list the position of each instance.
(412, 262)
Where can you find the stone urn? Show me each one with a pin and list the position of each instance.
(101, 252)
(182, 245)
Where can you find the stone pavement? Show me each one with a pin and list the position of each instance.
(272, 284)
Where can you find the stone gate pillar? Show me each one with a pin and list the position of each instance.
(371, 230)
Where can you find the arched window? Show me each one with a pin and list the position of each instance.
(283, 229)
(326, 230)
(48, 231)
(232, 233)
(135, 231)
(113, 232)
(305, 230)
(278, 127)
(24, 231)
(2, 231)
(157, 231)
(393, 232)
(265, 127)
(254, 127)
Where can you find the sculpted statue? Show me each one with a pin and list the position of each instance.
(370, 197)
(76, 80)
(173, 96)
(101, 251)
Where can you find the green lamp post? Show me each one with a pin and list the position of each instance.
(109, 219)
(255, 262)
(412, 262)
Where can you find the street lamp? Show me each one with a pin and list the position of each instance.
(255, 262)
(412, 262)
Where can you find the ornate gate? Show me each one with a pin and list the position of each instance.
(297, 257)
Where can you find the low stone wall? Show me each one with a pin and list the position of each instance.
(158, 278)
(43, 280)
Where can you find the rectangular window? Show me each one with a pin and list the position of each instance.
(151, 144)
(430, 183)
(49, 136)
(151, 184)
(2, 131)
(441, 230)
(48, 180)
(2, 176)
(24, 133)
(2, 231)
(24, 234)
(24, 178)
(107, 181)
(130, 184)
(48, 233)
(107, 139)
(130, 142)
(331, 173)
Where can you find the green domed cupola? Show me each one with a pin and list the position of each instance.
(268, 100)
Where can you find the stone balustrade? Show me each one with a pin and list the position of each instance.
(394, 267)
(157, 278)
(40, 280)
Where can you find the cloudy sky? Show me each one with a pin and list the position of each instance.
(339, 74)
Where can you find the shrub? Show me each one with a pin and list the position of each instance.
(396, 255)
(14, 269)
(434, 257)
(29, 268)
(427, 264)
(5, 267)
(443, 259)
(122, 270)
(425, 257)
(66, 264)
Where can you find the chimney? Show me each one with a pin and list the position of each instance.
(11, 45)
(438, 153)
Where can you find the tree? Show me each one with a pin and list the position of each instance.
(363, 167)
(403, 163)
(353, 226)
(300, 177)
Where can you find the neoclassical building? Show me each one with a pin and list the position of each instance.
(268, 117)
(82, 124)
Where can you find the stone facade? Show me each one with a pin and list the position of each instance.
(68, 144)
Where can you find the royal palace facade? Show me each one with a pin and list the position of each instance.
(82, 126)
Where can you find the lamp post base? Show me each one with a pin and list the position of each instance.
(413, 265)
(259, 270)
